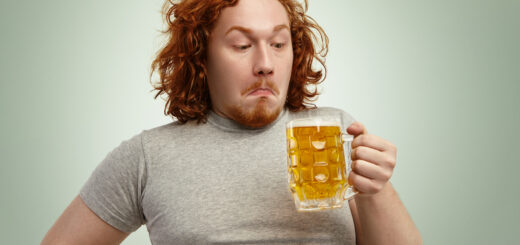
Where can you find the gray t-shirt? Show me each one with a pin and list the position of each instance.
(210, 183)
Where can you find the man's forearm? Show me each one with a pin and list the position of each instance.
(383, 219)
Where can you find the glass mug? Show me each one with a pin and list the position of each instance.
(318, 157)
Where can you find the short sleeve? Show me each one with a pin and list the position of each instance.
(115, 188)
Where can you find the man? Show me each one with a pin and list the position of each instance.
(234, 72)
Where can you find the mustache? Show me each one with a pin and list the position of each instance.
(258, 84)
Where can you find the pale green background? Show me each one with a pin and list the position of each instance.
(440, 79)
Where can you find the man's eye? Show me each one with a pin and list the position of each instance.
(242, 47)
(278, 45)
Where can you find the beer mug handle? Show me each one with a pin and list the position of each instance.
(347, 139)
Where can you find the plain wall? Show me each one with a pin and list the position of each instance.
(440, 79)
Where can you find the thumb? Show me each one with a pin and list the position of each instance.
(356, 128)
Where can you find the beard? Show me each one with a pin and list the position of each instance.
(259, 116)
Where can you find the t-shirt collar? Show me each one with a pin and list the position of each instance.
(227, 124)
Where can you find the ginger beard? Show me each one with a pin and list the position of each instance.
(261, 114)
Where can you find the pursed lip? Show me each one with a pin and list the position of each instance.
(261, 91)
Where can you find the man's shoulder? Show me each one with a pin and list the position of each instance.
(169, 130)
(163, 128)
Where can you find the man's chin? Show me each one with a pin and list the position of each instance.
(261, 115)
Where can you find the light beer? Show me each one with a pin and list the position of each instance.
(316, 164)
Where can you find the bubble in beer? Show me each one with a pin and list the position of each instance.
(321, 177)
(321, 174)
(318, 145)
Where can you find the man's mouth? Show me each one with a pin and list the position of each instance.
(261, 88)
(262, 92)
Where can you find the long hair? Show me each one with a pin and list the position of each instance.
(181, 63)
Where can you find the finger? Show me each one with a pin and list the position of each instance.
(362, 184)
(356, 128)
(370, 171)
(373, 156)
(373, 141)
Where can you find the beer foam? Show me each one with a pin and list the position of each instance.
(312, 123)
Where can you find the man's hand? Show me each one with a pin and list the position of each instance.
(373, 160)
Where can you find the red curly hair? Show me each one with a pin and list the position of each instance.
(181, 63)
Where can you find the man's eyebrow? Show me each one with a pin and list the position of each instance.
(249, 31)
(280, 27)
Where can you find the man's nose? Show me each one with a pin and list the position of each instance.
(263, 65)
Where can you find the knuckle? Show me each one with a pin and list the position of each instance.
(390, 146)
(387, 175)
(390, 161)
(393, 163)
(379, 186)
(393, 148)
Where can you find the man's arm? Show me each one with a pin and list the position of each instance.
(382, 219)
(378, 213)
(79, 225)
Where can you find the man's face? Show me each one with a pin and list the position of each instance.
(249, 62)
